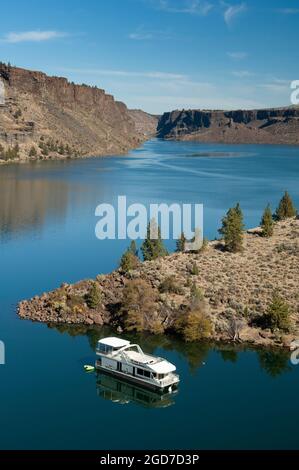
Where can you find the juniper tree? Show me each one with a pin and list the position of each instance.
(181, 243)
(232, 229)
(267, 223)
(93, 297)
(278, 314)
(153, 246)
(286, 208)
(129, 259)
(133, 248)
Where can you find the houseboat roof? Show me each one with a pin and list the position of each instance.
(156, 364)
(163, 367)
(114, 342)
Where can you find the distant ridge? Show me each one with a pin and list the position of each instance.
(261, 126)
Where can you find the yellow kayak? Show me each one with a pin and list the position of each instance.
(88, 368)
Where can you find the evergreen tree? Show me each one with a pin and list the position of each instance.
(93, 297)
(278, 314)
(153, 246)
(267, 223)
(286, 208)
(232, 229)
(129, 259)
(133, 248)
(181, 243)
(239, 211)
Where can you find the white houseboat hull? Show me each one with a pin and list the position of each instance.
(129, 377)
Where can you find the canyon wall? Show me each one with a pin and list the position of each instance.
(268, 126)
(58, 118)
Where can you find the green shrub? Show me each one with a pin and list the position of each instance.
(194, 325)
(194, 269)
(32, 152)
(138, 305)
(170, 285)
(196, 294)
(204, 246)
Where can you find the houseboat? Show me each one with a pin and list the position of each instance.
(127, 361)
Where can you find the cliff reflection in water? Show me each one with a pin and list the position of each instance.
(119, 391)
(29, 199)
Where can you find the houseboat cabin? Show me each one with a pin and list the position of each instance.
(129, 362)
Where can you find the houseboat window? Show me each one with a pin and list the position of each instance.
(143, 372)
(104, 348)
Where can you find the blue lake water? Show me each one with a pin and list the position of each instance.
(227, 398)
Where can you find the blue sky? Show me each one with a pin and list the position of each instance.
(160, 55)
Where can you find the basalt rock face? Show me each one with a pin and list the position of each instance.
(84, 118)
(268, 126)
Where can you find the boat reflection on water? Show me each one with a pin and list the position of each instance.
(119, 391)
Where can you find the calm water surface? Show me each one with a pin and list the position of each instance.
(228, 398)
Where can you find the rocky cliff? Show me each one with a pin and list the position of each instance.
(145, 123)
(235, 290)
(268, 126)
(51, 117)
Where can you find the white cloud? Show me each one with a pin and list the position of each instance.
(142, 34)
(242, 73)
(32, 36)
(237, 55)
(191, 7)
(231, 12)
(126, 73)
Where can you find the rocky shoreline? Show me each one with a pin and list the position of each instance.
(56, 157)
(236, 291)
